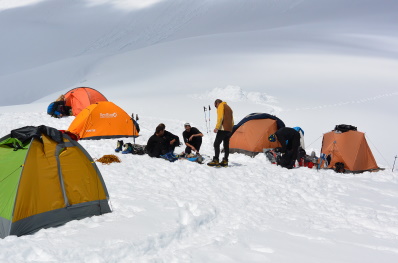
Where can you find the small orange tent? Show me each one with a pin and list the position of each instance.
(103, 120)
(350, 148)
(80, 98)
(250, 135)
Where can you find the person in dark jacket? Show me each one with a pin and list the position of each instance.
(289, 139)
(192, 138)
(172, 140)
(156, 144)
(58, 108)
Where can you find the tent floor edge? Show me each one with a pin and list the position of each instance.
(58, 217)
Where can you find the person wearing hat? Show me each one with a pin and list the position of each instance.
(192, 138)
(289, 139)
(224, 125)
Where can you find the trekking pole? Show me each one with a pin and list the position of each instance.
(394, 164)
(134, 129)
(209, 119)
(204, 110)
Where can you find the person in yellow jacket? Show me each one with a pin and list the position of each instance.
(224, 125)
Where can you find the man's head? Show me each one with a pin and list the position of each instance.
(162, 125)
(272, 138)
(159, 131)
(217, 102)
(187, 127)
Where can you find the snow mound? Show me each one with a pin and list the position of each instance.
(237, 94)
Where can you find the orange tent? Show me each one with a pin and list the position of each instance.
(103, 120)
(350, 148)
(250, 135)
(80, 98)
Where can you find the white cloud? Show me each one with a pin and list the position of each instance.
(125, 4)
(8, 4)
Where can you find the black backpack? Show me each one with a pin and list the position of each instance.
(345, 128)
(339, 168)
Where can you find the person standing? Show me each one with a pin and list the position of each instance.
(192, 138)
(224, 125)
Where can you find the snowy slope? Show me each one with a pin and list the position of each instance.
(313, 63)
(314, 57)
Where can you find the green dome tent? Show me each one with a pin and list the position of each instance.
(46, 180)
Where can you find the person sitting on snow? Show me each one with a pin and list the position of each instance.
(157, 144)
(289, 138)
(172, 140)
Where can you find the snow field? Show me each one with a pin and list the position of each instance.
(251, 211)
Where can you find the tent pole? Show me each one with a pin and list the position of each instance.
(394, 164)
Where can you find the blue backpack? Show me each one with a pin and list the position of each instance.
(51, 108)
(299, 129)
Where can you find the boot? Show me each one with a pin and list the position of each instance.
(169, 156)
(200, 159)
(127, 148)
(224, 162)
(215, 162)
(119, 146)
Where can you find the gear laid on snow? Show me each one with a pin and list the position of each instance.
(107, 159)
(119, 146)
(127, 148)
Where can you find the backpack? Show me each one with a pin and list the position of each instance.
(55, 106)
(339, 168)
(51, 108)
(138, 149)
(345, 128)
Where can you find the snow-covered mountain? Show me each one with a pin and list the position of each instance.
(313, 63)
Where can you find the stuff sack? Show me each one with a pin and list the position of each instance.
(345, 128)
(51, 108)
(57, 107)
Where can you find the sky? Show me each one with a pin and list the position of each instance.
(314, 64)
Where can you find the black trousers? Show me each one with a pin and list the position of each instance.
(222, 137)
(171, 147)
(196, 142)
(289, 158)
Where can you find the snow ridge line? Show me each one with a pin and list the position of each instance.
(345, 102)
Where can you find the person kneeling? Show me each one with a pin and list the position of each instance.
(192, 138)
